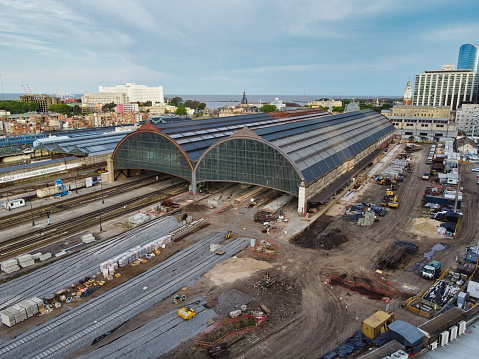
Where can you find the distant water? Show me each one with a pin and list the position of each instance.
(216, 101)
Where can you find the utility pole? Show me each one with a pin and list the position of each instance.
(31, 209)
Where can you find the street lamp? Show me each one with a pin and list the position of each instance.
(31, 209)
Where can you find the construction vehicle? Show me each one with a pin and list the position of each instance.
(377, 324)
(62, 190)
(179, 298)
(431, 270)
(389, 192)
(228, 235)
(103, 170)
(394, 203)
(186, 313)
(157, 251)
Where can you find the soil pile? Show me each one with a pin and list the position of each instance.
(425, 227)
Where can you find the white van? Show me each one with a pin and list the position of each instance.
(14, 203)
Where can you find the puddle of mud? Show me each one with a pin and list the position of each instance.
(418, 266)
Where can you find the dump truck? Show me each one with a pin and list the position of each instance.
(377, 324)
(186, 313)
(431, 270)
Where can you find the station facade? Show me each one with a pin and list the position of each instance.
(301, 153)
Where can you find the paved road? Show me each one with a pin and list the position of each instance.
(72, 330)
(158, 336)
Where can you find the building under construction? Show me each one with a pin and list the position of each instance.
(309, 154)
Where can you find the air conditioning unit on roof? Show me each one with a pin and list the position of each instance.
(462, 327)
(444, 338)
(453, 333)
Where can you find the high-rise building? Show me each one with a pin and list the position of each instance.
(446, 87)
(407, 100)
(467, 119)
(44, 101)
(468, 58)
(138, 93)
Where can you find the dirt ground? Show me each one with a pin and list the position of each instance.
(322, 315)
(309, 315)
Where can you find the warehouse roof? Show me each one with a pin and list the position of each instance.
(87, 145)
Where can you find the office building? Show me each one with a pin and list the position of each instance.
(138, 93)
(446, 87)
(103, 98)
(43, 101)
(467, 119)
(468, 57)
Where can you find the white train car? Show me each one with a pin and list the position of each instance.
(14, 203)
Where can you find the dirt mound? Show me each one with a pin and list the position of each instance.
(425, 227)
(196, 207)
(326, 240)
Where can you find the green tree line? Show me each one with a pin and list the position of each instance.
(15, 107)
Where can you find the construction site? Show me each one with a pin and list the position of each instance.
(237, 270)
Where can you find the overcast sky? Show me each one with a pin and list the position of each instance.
(290, 47)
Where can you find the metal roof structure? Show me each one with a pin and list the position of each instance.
(90, 144)
(257, 148)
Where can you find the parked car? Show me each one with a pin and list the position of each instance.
(475, 169)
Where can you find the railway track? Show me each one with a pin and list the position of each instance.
(66, 270)
(78, 327)
(54, 232)
(41, 212)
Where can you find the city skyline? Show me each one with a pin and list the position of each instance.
(315, 47)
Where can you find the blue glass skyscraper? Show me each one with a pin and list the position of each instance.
(468, 57)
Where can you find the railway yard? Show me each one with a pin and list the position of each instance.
(315, 278)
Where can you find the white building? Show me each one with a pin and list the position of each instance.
(466, 146)
(104, 98)
(278, 103)
(467, 119)
(138, 93)
(325, 103)
(446, 87)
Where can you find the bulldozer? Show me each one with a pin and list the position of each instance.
(186, 313)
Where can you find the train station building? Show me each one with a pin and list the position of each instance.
(308, 153)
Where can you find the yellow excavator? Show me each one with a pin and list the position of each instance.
(394, 203)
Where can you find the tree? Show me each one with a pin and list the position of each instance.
(181, 111)
(338, 109)
(108, 107)
(76, 110)
(176, 101)
(269, 108)
(15, 107)
(62, 108)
